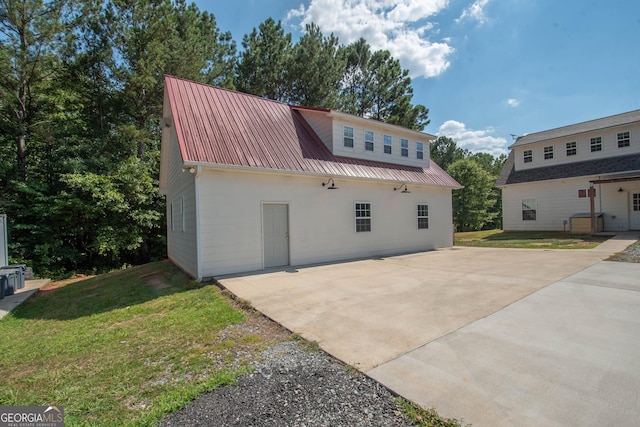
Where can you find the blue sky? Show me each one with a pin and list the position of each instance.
(486, 69)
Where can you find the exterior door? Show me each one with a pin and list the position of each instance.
(634, 211)
(275, 226)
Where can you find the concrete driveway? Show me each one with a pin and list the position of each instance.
(476, 333)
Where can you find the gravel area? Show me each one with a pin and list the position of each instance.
(294, 386)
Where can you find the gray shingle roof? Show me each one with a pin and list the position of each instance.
(610, 165)
(589, 126)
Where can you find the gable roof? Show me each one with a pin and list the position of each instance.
(596, 167)
(220, 127)
(588, 126)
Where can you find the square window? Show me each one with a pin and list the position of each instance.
(347, 133)
(572, 149)
(363, 217)
(387, 144)
(623, 139)
(420, 150)
(528, 156)
(596, 144)
(529, 209)
(404, 148)
(368, 140)
(548, 152)
(423, 216)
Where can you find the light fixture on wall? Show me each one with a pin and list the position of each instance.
(191, 169)
(620, 190)
(330, 187)
(405, 191)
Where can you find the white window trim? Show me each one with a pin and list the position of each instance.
(548, 152)
(372, 141)
(535, 207)
(419, 152)
(573, 148)
(404, 147)
(344, 136)
(627, 139)
(418, 216)
(529, 156)
(593, 143)
(389, 144)
(356, 217)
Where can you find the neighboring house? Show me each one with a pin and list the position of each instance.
(555, 179)
(252, 183)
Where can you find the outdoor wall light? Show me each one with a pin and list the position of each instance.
(330, 187)
(405, 191)
(620, 190)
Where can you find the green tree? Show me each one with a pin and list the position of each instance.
(262, 68)
(316, 70)
(375, 86)
(29, 31)
(444, 151)
(473, 205)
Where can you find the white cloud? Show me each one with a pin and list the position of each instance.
(513, 102)
(475, 12)
(397, 26)
(473, 140)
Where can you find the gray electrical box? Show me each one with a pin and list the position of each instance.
(4, 251)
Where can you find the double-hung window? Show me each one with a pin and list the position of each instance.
(347, 133)
(529, 209)
(419, 150)
(548, 152)
(528, 156)
(623, 139)
(572, 148)
(363, 216)
(368, 140)
(404, 147)
(387, 144)
(596, 144)
(423, 216)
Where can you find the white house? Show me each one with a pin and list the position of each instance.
(252, 183)
(586, 170)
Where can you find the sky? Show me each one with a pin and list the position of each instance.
(488, 70)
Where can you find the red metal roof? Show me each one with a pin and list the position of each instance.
(222, 127)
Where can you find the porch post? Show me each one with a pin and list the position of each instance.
(592, 208)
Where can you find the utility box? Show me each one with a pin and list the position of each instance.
(581, 223)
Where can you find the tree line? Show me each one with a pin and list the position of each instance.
(81, 86)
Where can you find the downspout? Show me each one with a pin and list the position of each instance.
(592, 208)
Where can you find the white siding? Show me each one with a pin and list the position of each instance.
(182, 238)
(321, 124)
(583, 143)
(322, 224)
(358, 150)
(558, 200)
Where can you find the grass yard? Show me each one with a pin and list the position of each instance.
(527, 239)
(125, 348)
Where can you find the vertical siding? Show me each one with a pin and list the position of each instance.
(181, 243)
(321, 221)
(558, 201)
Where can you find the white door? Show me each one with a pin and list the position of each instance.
(275, 226)
(634, 211)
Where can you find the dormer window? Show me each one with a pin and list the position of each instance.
(368, 140)
(623, 139)
(419, 150)
(596, 144)
(572, 149)
(548, 152)
(347, 133)
(387, 144)
(404, 147)
(528, 156)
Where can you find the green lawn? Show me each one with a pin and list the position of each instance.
(527, 239)
(123, 348)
